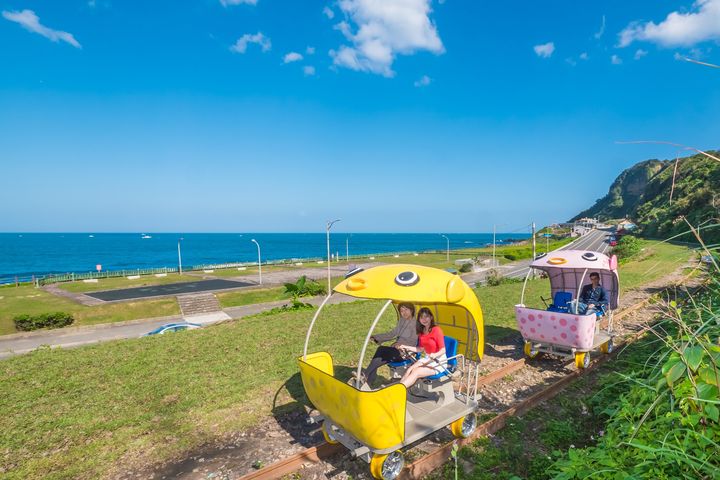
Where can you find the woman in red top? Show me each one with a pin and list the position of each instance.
(432, 347)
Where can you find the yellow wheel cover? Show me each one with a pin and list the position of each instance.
(456, 427)
(326, 435)
(580, 360)
(528, 351)
(376, 465)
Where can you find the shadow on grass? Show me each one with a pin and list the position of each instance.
(293, 416)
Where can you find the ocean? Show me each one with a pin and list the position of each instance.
(25, 254)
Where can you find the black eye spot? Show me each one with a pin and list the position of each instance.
(589, 256)
(407, 279)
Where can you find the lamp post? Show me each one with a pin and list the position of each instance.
(328, 226)
(447, 252)
(259, 262)
(179, 257)
(493, 263)
(347, 249)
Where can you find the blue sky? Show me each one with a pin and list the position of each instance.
(394, 115)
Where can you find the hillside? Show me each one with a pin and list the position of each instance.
(642, 193)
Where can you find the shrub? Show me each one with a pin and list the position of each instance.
(466, 267)
(627, 247)
(26, 323)
(495, 278)
(304, 288)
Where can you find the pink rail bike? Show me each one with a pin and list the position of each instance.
(559, 329)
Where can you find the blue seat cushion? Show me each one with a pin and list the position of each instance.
(560, 302)
(451, 346)
(403, 363)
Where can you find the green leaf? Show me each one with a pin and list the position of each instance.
(707, 392)
(694, 356)
(707, 375)
(712, 411)
(675, 372)
(674, 358)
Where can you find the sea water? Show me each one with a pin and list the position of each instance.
(27, 254)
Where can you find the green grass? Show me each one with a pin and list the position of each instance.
(75, 413)
(89, 411)
(654, 261)
(27, 299)
(249, 297)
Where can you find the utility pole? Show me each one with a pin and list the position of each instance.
(493, 262)
(328, 226)
(533, 247)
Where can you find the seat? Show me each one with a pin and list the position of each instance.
(560, 302)
(451, 346)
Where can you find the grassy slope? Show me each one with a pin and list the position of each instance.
(26, 299)
(147, 399)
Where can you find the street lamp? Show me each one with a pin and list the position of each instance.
(447, 252)
(347, 249)
(328, 226)
(179, 257)
(259, 262)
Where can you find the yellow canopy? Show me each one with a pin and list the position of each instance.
(456, 307)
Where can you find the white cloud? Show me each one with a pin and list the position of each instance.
(225, 3)
(424, 81)
(602, 29)
(384, 29)
(639, 53)
(31, 22)
(327, 11)
(309, 70)
(545, 50)
(310, 50)
(571, 61)
(584, 56)
(678, 29)
(292, 57)
(242, 42)
(615, 60)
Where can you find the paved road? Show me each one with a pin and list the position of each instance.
(595, 240)
(168, 289)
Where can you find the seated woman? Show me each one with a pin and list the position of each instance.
(431, 344)
(404, 334)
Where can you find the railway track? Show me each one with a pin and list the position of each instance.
(436, 458)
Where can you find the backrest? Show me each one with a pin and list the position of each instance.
(561, 299)
(451, 346)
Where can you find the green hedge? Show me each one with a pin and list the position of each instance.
(26, 323)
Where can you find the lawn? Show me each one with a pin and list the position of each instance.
(98, 409)
(27, 299)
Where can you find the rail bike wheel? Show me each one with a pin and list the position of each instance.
(387, 466)
(582, 360)
(530, 351)
(327, 435)
(607, 347)
(465, 426)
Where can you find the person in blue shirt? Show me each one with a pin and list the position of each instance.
(593, 297)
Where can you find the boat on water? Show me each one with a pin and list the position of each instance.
(145, 236)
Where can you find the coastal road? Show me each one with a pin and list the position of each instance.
(594, 241)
